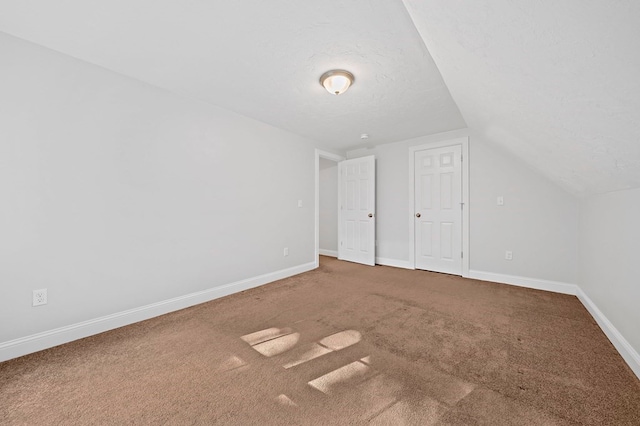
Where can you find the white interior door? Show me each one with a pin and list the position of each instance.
(438, 209)
(356, 214)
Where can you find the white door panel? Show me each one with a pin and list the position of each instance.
(356, 225)
(438, 205)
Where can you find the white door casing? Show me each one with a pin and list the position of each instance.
(356, 215)
(438, 209)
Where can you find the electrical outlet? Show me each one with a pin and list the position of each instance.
(508, 255)
(286, 251)
(500, 200)
(40, 297)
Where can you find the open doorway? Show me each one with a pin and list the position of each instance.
(328, 208)
(326, 238)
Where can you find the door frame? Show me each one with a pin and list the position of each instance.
(329, 156)
(464, 144)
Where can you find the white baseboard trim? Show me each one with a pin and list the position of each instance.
(535, 283)
(330, 253)
(624, 348)
(393, 262)
(40, 341)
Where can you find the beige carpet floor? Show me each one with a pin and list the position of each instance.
(344, 344)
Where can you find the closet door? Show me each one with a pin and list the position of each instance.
(438, 209)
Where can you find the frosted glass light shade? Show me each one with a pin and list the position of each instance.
(336, 81)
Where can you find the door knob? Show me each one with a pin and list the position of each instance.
(417, 214)
(370, 215)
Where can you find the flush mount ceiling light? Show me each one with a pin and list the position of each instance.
(337, 81)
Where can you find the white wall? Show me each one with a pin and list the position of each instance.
(328, 215)
(116, 194)
(609, 255)
(538, 221)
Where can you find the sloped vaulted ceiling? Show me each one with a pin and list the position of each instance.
(555, 82)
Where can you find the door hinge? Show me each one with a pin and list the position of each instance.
(462, 255)
(461, 158)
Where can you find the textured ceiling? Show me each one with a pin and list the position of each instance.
(261, 59)
(555, 82)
